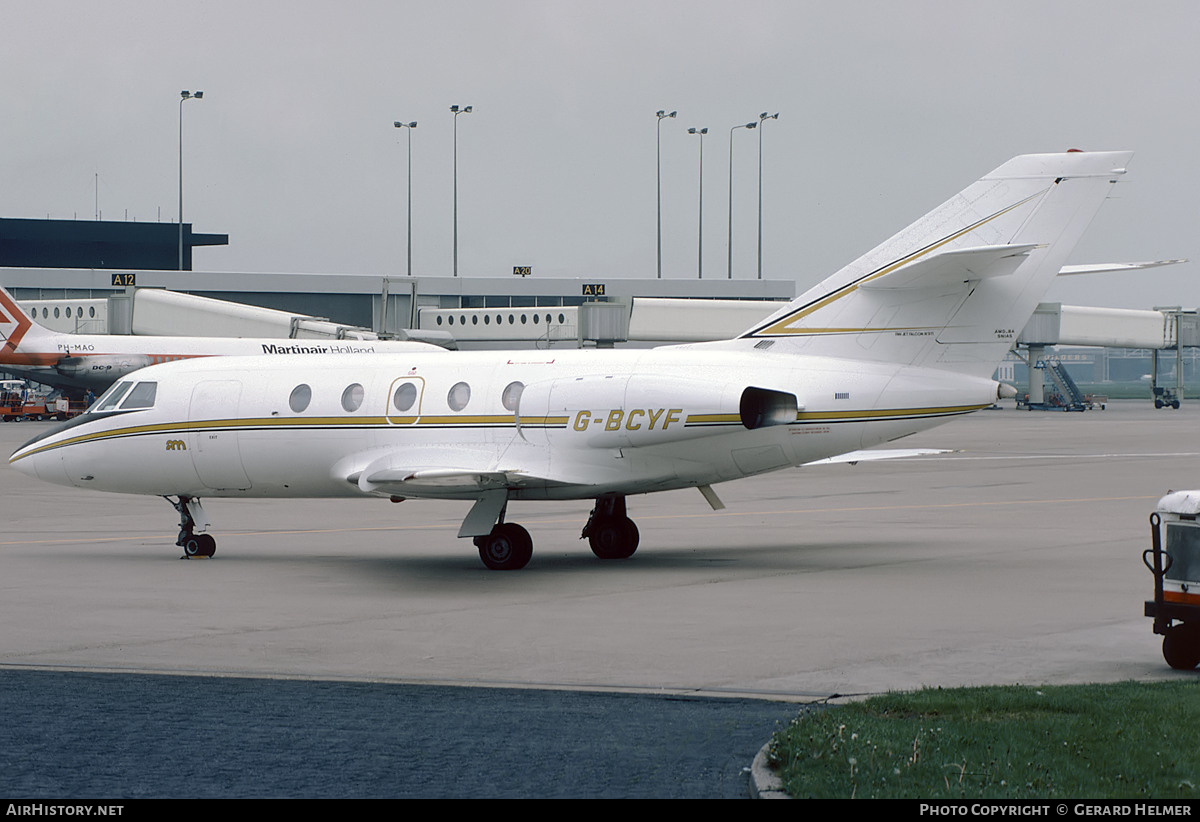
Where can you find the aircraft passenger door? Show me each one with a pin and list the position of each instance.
(214, 434)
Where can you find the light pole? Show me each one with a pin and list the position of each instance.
(762, 118)
(661, 114)
(700, 219)
(410, 127)
(457, 111)
(184, 96)
(730, 244)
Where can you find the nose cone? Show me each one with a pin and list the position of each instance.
(40, 460)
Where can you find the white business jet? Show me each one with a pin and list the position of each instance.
(96, 361)
(904, 338)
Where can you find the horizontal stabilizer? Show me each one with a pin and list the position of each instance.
(954, 267)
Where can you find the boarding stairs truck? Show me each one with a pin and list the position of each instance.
(1174, 559)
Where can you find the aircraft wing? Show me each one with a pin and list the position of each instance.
(443, 470)
(871, 455)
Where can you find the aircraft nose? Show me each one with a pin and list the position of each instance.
(32, 460)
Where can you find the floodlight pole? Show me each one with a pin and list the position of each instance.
(457, 111)
(729, 246)
(183, 97)
(661, 114)
(410, 127)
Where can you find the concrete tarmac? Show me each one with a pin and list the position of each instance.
(1015, 559)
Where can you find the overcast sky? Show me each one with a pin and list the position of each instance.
(885, 110)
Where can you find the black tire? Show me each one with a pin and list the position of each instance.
(1181, 647)
(507, 548)
(614, 538)
(191, 546)
(198, 545)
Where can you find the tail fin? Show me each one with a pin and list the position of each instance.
(16, 327)
(954, 289)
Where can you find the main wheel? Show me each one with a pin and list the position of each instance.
(507, 548)
(613, 538)
(1181, 647)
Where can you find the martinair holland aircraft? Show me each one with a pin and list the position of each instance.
(96, 361)
(904, 338)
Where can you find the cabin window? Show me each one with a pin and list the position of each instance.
(405, 396)
(45, 312)
(68, 312)
(91, 311)
(352, 397)
(300, 398)
(561, 319)
(109, 401)
(142, 396)
(56, 312)
(459, 396)
(512, 395)
(439, 319)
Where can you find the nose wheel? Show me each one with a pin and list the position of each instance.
(194, 545)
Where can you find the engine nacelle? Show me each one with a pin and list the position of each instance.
(643, 409)
(101, 370)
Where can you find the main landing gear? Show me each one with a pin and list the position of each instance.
(193, 544)
(610, 532)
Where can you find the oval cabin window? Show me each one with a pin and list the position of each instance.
(459, 396)
(300, 398)
(352, 397)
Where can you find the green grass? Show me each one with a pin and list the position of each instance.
(1127, 740)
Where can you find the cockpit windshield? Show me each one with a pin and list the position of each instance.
(108, 401)
(128, 395)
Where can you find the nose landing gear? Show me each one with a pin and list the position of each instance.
(193, 544)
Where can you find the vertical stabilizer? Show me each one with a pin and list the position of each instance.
(955, 288)
(23, 341)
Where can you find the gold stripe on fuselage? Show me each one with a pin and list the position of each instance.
(447, 422)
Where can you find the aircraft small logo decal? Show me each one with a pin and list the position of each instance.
(176, 445)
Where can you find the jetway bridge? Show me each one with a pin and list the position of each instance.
(1167, 328)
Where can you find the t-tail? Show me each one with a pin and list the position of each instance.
(22, 341)
(954, 289)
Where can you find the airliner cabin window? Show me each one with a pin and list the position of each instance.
(300, 398)
(405, 396)
(142, 396)
(459, 396)
(352, 397)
